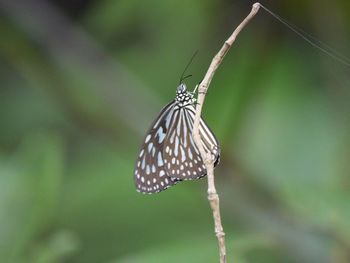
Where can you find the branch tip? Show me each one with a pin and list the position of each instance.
(256, 6)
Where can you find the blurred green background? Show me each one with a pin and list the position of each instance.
(81, 82)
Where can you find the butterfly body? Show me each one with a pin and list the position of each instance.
(169, 154)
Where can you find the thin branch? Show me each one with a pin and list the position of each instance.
(207, 157)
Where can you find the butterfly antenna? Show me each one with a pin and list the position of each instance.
(185, 77)
(188, 64)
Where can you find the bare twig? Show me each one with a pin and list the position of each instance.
(207, 157)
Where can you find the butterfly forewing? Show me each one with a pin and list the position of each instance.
(150, 174)
(181, 155)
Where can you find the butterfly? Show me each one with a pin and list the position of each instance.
(168, 154)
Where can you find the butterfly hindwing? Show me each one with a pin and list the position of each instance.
(181, 156)
(209, 141)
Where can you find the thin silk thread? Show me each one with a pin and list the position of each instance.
(311, 40)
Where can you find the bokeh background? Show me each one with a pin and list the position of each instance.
(81, 81)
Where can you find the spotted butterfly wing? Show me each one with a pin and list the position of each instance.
(150, 174)
(168, 154)
(181, 155)
(208, 138)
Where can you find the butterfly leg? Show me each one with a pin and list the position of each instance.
(195, 89)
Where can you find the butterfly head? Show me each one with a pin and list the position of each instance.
(183, 96)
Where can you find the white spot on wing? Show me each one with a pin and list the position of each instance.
(190, 153)
(179, 124)
(142, 151)
(148, 138)
(183, 154)
(150, 146)
(160, 159)
(143, 163)
(172, 137)
(176, 149)
(161, 138)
